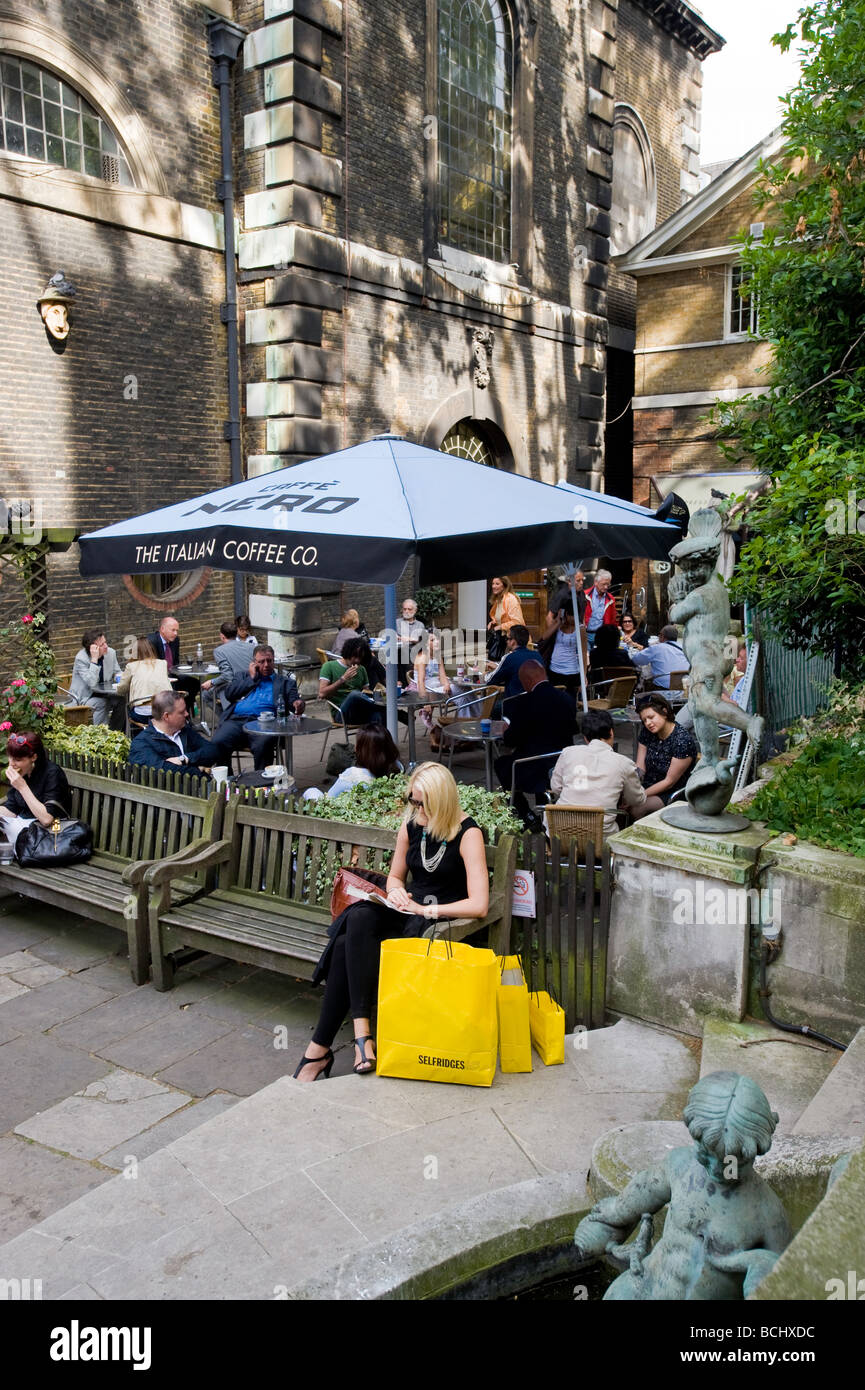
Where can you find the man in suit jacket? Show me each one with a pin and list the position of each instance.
(540, 721)
(95, 664)
(249, 696)
(166, 644)
(232, 657)
(169, 742)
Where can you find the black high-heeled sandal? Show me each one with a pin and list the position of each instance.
(366, 1066)
(324, 1073)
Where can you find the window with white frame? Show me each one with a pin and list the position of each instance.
(742, 313)
(475, 76)
(45, 118)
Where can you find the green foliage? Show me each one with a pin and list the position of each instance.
(820, 797)
(382, 803)
(804, 566)
(94, 740)
(432, 603)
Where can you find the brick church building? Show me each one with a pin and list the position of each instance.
(426, 199)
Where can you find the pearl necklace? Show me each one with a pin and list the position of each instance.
(431, 864)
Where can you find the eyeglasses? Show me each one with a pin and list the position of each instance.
(411, 801)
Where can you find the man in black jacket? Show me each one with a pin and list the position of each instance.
(249, 696)
(166, 643)
(540, 721)
(169, 742)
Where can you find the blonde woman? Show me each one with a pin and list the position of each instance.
(145, 676)
(430, 674)
(349, 624)
(442, 850)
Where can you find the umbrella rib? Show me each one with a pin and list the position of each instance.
(402, 489)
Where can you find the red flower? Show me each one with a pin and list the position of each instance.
(5, 725)
(27, 618)
(19, 682)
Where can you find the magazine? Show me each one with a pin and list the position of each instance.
(370, 895)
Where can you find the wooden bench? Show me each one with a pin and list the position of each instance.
(134, 827)
(269, 903)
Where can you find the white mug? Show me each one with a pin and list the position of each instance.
(219, 775)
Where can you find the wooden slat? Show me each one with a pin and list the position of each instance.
(588, 928)
(570, 940)
(247, 847)
(554, 910)
(599, 952)
(297, 888)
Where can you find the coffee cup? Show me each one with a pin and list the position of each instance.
(486, 727)
(219, 775)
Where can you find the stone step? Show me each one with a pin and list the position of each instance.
(839, 1105)
(789, 1069)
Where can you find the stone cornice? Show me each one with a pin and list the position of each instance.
(685, 24)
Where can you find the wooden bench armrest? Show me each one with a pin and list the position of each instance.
(177, 867)
(134, 873)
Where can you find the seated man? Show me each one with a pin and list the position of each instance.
(232, 658)
(95, 664)
(257, 692)
(166, 643)
(541, 721)
(594, 774)
(169, 742)
(507, 673)
(663, 657)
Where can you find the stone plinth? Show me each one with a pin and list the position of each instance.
(680, 921)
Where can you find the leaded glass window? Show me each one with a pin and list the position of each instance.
(464, 441)
(475, 75)
(45, 118)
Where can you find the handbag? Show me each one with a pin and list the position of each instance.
(547, 1023)
(512, 1002)
(353, 885)
(496, 645)
(62, 842)
(437, 1011)
(339, 759)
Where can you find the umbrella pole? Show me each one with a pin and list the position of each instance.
(573, 588)
(391, 648)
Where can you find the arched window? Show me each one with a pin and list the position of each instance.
(475, 77)
(46, 118)
(465, 441)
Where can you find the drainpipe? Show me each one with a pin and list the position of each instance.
(224, 40)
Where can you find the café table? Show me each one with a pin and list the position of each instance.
(469, 730)
(256, 778)
(285, 730)
(411, 701)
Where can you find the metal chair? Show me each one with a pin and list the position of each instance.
(450, 713)
(551, 758)
(580, 823)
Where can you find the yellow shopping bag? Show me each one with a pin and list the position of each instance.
(437, 1011)
(512, 998)
(547, 1021)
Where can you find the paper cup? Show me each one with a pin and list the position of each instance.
(219, 775)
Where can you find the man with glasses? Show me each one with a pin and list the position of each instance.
(250, 696)
(411, 636)
(663, 657)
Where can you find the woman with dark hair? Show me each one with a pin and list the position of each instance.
(243, 625)
(665, 754)
(36, 785)
(376, 755)
(559, 648)
(607, 651)
(633, 635)
(341, 681)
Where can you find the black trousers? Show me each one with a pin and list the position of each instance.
(230, 736)
(352, 977)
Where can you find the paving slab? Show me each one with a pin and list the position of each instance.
(102, 1115)
(81, 944)
(61, 1265)
(385, 1185)
(112, 975)
(839, 1105)
(35, 1182)
(160, 1135)
(241, 1061)
(117, 1017)
(10, 989)
(41, 1009)
(295, 1222)
(632, 1057)
(16, 960)
(7, 1032)
(292, 1129)
(790, 1070)
(37, 1071)
(151, 1049)
(23, 923)
(247, 998)
(214, 1257)
(126, 1214)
